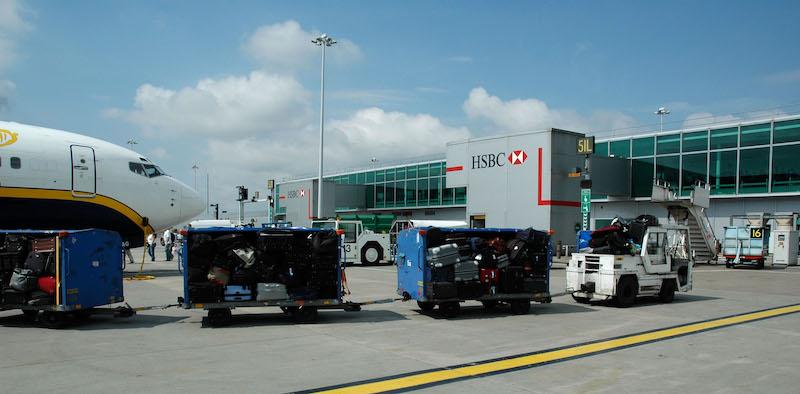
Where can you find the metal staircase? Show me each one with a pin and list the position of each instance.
(691, 213)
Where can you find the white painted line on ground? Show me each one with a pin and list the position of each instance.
(754, 271)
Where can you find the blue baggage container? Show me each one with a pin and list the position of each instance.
(308, 261)
(525, 279)
(86, 264)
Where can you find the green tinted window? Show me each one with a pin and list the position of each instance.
(787, 131)
(380, 196)
(422, 192)
(753, 170)
(411, 172)
(461, 195)
(434, 194)
(601, 148)
(695, 141)
(411, 193)
(371, 177)
(390, 174)
(389, 194)
(785, 168)
(725, 138)
(400, 193)
(400, 174)
(694, 169)
(757, 134)
(643, 146)
(370, 196)
(668, 144)
(422, 170)
(722, 172)
(667, 169)
(436, 169)
(642, 177)
(352, 179)
(362, 178)
(380, 176)
(621, 148)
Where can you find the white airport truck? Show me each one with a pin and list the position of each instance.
(360, 244)
(663, 266)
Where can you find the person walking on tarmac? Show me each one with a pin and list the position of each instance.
(151, 246)
(167, 240)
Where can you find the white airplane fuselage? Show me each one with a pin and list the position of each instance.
(53, 179)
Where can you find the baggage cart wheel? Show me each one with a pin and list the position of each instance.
(581, 300)
(667, 292)
(426, 306)
(53, 319)
(760, 264)
(626, 292)
(489, 304)
(450, 309)
(29, 315)
(520, 307)
(305, 315)
(219, 317)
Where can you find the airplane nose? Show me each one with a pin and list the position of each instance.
(191, 203)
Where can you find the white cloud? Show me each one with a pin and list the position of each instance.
(533, 114)
(784, 77)
(288, 46)
(230, 106)
(698, 119)
(158, 152)
(6, 90)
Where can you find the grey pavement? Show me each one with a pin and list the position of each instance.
(170, 351)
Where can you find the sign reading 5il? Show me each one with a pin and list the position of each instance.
(7, 137)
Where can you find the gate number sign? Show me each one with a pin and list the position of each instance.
(757, 232)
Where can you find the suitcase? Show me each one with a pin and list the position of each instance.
(467, 271)
(511, 280)
(490, 276)
(443, 290)
(443, 274)
(271, 292)
(502, 261)
(205, 292)
(13, 297)
(531, 285)
(469, 290)
(465, 251)
(442, 256)
(44, 245)
(238, 293)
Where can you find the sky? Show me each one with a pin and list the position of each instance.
(233, 86)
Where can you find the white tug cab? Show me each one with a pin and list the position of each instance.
(662, 266)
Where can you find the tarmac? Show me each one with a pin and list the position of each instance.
(263, 350)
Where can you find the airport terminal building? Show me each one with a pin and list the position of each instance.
(524, 179)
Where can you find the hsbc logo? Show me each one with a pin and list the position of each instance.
(517, 157)
(498, 159)
(296, 193)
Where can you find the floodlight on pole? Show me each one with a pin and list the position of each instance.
(195, 168)
(322, 41)
(661, 113)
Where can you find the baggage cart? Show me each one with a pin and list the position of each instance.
(56, 275)
(306, 261)
(513, 267)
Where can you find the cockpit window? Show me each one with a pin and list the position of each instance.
(152, 171)
(136, 168)
(146, 170)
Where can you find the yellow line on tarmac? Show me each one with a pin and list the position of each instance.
(428, 378)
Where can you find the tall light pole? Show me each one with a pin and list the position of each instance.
(661, 113)
(195, 168)
(321, 41)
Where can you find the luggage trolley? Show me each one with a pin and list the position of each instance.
(446, 266)
(52, 275)
(299, 270)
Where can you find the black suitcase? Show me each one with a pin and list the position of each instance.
(205, 292)
(469, 290)
(511, 280)
(532, 285)
(467, 271)
(443, 274)
(444, 255)
(13, 297)
(443, 290)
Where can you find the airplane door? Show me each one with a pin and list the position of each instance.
(83, 171)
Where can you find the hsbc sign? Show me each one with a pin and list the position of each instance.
(499, 159)
(296, 193)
